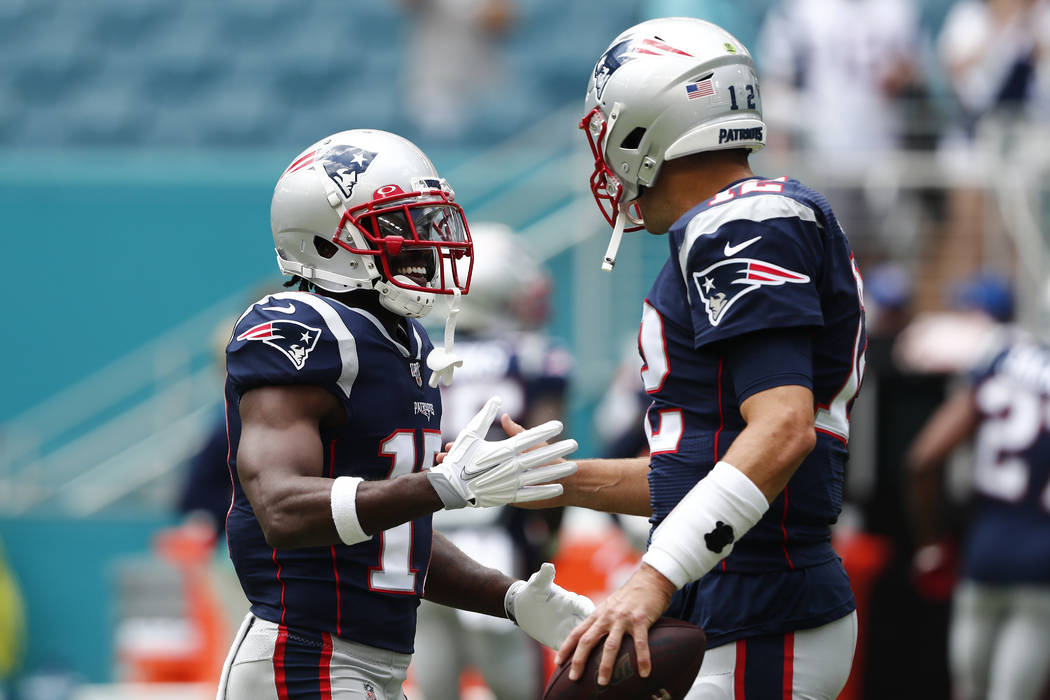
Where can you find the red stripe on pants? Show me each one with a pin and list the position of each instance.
(324, 669)
(739, 692)
(789, 664)
(279, 679)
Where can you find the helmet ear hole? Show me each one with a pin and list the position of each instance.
(326, 249)
(633, 139)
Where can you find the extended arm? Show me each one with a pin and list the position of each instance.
(950, 425)
(281, 458)
(607, 485)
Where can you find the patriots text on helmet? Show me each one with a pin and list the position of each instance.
(730, 135)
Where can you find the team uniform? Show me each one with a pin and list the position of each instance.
(521, 368)
(333, 612)
(1000, 632)
(761, 256)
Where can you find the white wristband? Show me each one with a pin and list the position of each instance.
(700, 531)
(344, 510)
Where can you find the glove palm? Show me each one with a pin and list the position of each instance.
(480, 473)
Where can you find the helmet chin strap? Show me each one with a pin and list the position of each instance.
(401, 301)
(614, 242)
(442, 361)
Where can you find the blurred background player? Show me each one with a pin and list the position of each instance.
(999, 638)
(333, 415)
(505, 352)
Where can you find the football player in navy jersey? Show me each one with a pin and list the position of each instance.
(752, 338)
(999, 634)
(333, 411)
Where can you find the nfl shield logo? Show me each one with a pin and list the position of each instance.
(413, 368)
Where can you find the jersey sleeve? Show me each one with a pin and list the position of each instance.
(747, 276)
(286, 342)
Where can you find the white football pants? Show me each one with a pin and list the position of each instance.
(812, 664)
(268, 663)
(999, 642)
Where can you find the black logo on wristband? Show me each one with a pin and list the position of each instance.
(718, 538)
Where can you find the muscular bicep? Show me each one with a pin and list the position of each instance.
(281, 433)
(280, 457)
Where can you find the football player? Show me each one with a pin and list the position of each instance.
(999, 633)
(505, 352)
(753, 339)
(334, 412)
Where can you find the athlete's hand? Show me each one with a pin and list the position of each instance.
(544, 610)
(480, 473)
(631, 609)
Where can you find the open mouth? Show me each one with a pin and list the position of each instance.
(417, 265)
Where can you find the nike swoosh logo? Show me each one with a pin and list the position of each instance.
(731, 250)
(290, 309)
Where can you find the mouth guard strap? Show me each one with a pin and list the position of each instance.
(614, 242)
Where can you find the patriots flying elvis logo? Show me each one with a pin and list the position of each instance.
(622, 51)
(295, 340)
(344, 164)
(722, 284)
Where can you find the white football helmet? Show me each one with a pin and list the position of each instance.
(510, 289)
(664, 89)
(366, 209)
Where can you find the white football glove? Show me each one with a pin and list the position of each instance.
(543, 609)
(479, 473)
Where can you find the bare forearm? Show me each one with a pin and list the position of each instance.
(611, 485)
(608, 485)
(456, 580)
(950, 425)
(924, 500)
(779, 434)
(383, 504)
(768, 456)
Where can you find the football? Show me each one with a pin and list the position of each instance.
(676, 648)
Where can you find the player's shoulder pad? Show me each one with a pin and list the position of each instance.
(292, 337)
(735, 218)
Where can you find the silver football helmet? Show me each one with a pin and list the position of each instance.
(366, 209)
(664, 89)
(510, 289)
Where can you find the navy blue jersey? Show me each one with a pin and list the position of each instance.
(1009, 536)
(761, 255)
(367, 592)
